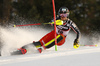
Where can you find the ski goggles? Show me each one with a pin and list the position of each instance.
(63, 15)
(62, 12)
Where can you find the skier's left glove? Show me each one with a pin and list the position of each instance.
(76, 44)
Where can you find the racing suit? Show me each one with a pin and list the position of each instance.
(61, 32)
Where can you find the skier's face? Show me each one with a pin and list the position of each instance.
(63, 16)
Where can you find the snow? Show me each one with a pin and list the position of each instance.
(66, 55)
(84, 56)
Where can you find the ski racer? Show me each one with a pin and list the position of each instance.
(48, 40)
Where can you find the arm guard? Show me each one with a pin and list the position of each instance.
(76, 30)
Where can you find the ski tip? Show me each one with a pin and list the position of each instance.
(14, 26)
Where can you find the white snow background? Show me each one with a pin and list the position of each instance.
(13, 38)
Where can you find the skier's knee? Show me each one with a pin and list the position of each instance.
(37, 44)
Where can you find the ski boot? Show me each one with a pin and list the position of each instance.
(19, 51)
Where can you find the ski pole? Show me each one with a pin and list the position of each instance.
(58, 22)
(90, 45)
(27, 25)
(30, 24)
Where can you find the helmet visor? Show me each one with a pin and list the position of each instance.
(63, 15)
(62, 12)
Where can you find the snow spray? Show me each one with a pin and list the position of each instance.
(12, 38)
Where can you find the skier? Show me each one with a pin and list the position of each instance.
(48, 40)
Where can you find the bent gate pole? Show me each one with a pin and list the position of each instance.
(54, 24)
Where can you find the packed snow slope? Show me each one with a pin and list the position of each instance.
(13, 38)
(84, 56)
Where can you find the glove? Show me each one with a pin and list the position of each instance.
(76, 45)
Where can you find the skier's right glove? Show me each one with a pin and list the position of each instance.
(76, 45)
(58, 22)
